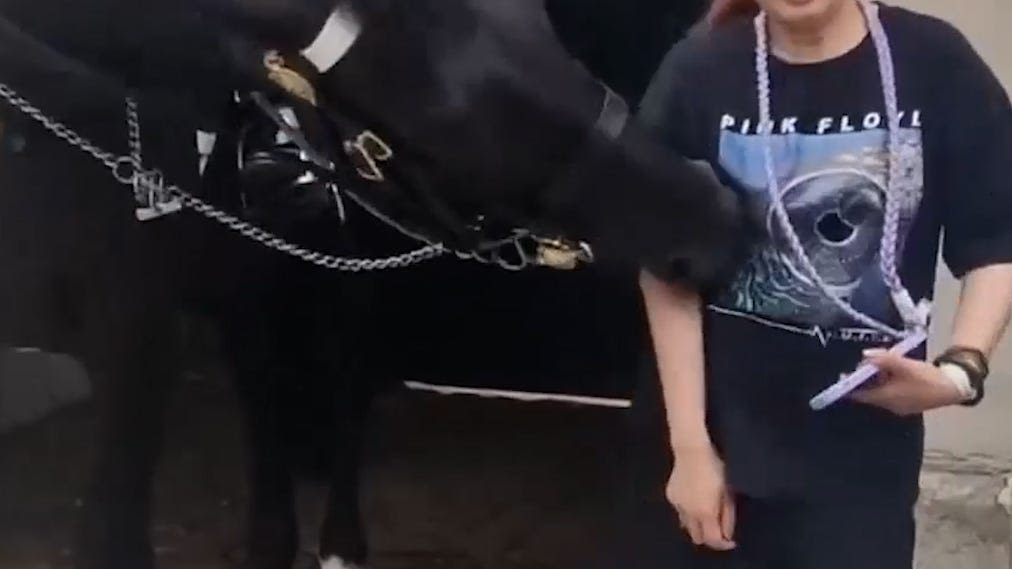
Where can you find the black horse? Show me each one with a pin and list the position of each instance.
(82, 276)
(68, 242)
(595, 332)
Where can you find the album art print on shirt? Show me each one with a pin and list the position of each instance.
(832, 176)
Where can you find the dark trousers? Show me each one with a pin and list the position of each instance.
(773, 532)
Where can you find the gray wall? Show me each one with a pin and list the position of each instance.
(988, 24)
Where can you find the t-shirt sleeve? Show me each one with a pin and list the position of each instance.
(977, 204)
(666, 110)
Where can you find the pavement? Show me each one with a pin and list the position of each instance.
(451, 482)
(965, 509)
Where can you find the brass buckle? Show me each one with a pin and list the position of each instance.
(562, 255)
(372, 150)
(287, 78)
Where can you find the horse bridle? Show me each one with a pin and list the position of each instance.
(370, 156)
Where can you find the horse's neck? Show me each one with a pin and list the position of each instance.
(21, 49)
(517, 14)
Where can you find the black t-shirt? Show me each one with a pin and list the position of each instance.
(772, 338)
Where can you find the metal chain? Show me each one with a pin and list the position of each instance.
(272, 241)
(111, 161)
(128, 170)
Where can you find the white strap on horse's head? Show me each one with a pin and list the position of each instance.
(335, 39)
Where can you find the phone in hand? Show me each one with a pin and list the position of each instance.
(849, 382)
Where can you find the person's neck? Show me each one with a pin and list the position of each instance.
(834, 35)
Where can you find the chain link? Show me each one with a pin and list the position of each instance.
(272, 241)
(128, 170)
(111, 161)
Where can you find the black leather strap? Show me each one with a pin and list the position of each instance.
(973, 362)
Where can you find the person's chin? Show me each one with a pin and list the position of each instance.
(799, 11)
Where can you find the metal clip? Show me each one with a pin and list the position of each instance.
(153, 198)
(558, 254)
(371, 150)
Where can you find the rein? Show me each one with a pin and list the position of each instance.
(514, 249)
(370, 156)
(161, 198)
(156, 197)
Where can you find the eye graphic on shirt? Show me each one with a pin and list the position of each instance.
(837, 214)
(832, 187)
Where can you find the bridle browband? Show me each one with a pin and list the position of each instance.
(371, 156)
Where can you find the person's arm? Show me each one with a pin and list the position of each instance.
(674, 310)
(977, 212)
(674, 315)
(976, 206)
(985, 307)
(697, 487)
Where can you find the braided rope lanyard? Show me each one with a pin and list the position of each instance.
(915, 316)
(157, 198)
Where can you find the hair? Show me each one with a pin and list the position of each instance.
(723, 12)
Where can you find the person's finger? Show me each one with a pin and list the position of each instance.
(694, 529)
(728, 517)
(713, 536)
(888, 363)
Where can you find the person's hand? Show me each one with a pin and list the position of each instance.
(699, 492)
(906, 386)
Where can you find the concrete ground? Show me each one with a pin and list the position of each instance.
(967, 499)
(452, 483)
(967, 502)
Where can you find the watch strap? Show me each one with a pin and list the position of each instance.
(973, 362)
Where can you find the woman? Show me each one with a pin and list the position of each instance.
(856, 132)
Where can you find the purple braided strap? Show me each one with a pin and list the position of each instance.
(898, 191)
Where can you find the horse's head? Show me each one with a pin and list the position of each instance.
(473, 110)
(469, 111)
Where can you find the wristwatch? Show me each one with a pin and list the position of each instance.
(973, 363)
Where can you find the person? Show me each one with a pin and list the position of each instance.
(856, 132)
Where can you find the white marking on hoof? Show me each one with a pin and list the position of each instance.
(337, 563)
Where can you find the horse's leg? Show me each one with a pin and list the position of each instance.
(272, 531)
(328, 331)
(133, 360)
(338, 354)
(342, 538)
